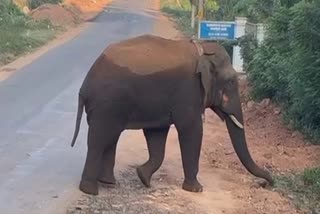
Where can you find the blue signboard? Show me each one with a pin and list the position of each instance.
(216, 30)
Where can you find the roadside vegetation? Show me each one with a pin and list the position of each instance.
(33, 4)
(181, 13)
(19, 34)
(303, 188)
(284, 68)
(25, 25)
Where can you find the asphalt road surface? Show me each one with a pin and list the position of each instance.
(39, 171)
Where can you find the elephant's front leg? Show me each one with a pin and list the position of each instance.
(156, 141)
(190, 139)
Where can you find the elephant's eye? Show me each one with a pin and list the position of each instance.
(231, 83)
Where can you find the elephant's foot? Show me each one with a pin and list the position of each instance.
(144, 176)
(109, 180)
(89, 187)
(192, 186)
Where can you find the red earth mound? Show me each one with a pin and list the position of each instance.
(56, 14)
(270, 142)
(272, 146)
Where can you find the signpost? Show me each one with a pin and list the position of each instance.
(216, 30)
(227, 31)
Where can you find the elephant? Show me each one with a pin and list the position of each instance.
(149, 82)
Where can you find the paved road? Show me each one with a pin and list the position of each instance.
(39, 170)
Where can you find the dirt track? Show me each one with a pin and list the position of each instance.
(228, 188)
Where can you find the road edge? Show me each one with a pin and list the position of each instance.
(60, 38)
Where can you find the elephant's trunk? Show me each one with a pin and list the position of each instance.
(238, 139)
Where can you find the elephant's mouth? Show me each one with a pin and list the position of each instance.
(223, 115)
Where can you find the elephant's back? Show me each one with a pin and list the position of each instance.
(149, 54)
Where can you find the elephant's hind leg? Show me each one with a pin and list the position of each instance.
(108, 161)
(88, 182)
(100, 138)
(156, 141)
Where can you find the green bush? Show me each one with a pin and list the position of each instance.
(248, 44)
(254, 10)
(225, 10)
(19, 33)
(269, 68)
(211, 10)
(305, 76)
(8, 10)
(287, 66)
(36, 3)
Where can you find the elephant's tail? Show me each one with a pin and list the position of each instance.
(78, 121)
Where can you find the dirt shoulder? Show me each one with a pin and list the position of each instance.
(88, 9)
(272, 145)
(71, 18)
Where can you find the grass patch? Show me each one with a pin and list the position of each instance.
(19, 34)
(36, 3)
(181, 15)
(303, 188)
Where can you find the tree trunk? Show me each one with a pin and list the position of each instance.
(193, 15)
(200, 10)
(178, 3)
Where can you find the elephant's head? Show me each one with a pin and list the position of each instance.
(221, 94)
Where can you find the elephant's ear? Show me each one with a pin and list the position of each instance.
(205, 69)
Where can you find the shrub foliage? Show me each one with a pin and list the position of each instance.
(36, 3)
(19, 33)
(287, 65)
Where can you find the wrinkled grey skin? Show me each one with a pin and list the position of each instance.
(149, 83)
